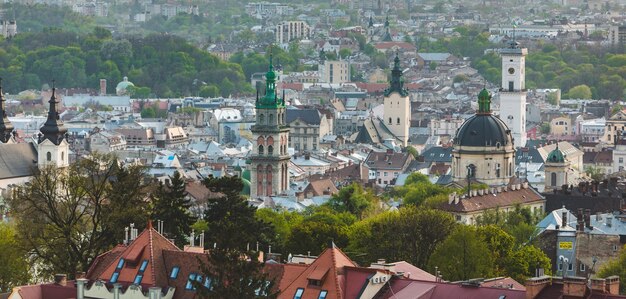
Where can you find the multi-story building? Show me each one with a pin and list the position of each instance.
(107, 141)
(385, 167)
(561, 126)
(307, 127)
(445, 127)
(269, 161)
(335, 71)
(397, 106)
(615, 126)
(138, 136)
(617, 34)
(291, 30)
(592, 130)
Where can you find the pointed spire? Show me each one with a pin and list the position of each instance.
(270, 99)
(397, 83)
(6, 127)
(53, 128)
(484, 102)
(371, 23)
(387, 21)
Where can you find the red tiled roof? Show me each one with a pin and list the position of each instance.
(48, 291)
(331, 260)
(389, 45)
(492, 201)
(403, 288)
(149, 245)
(318, 187)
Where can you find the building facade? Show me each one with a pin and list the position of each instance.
(335, 71)
(53, 148)
(513, 91)
(291, 30)
(269, 161)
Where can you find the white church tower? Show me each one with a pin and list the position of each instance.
(397, 106)
(513, 91)
(53, 148)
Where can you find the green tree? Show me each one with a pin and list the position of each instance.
(544, 128)
(616, 266)
(595, 173)
(61, 216)
(433, 65)
(15, 267)
(171, 204)
(352, 199)
(579, 92)
(411, 150)
(410, 234)
(462, 256)
(148, 112)
(313, 233)
(233, 227)
(345, 53)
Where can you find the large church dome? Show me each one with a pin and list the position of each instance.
(483, 129)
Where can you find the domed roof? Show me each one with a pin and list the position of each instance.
(556, 156)
(483, 130)
(245, 175)
(121, 87)
(246, 187)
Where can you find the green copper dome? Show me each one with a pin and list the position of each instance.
(246, 187)
(245, 175)
(556, 156)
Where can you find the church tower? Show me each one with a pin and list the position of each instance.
(513, 91)
(397, 106)
(53, 148)
(6, 127)
(556, 167)
(269, 162)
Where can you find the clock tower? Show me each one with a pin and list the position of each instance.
(513, 91)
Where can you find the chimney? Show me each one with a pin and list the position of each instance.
(609, 220)
(60, 279)
(598, 284)
(103, 87)
(612, 285)
(598, 216)
(580, 226)
(535, 285)
(80, 288)
(117, 290)
(574, 287)
(154, 293)
(307, 156)
(564, 219)
(80, 275)
(588, 218)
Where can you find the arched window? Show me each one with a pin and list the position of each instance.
(270, 150)
(62, 156)
(553, 179)
(260, 149)
(49, 156)
(398, 120)
(390, 120)
(271, 119)
(261, 119)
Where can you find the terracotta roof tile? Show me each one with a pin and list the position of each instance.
(492, 201)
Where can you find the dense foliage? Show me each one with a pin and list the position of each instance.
(167, 65)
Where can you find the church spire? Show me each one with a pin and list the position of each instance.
(270, 100)
(397, 83)
(6, 127)
(484, 102)
(53, 128)
(371, 23)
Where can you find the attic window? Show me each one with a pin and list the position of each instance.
(315, 282)
(299, 293)
(120, 264)
(323, 294)
(189, 285)
(144, 264)
(114, 277)
(174, 273)
(138, 279)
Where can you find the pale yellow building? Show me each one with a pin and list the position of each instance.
(561, 126)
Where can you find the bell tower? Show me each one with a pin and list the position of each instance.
(269, 162)
(53, 148)
(513, 91)
(397, 106)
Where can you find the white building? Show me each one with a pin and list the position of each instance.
(290, 30)
(107, 142)
(334, 72)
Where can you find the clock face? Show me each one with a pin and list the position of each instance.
(511, 70)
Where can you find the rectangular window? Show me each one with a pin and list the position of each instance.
(510, 85)
(560, 266)
(143, 266)
(323, 294)
(138, 279)
(189, 285)
(114, 277)
(174, 273)
(582, 267)
(385, 173)
(570, 267)
(299, 293)
(120, 264)
(208, 283)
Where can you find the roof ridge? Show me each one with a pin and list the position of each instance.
(336, 278)
(150, 231)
